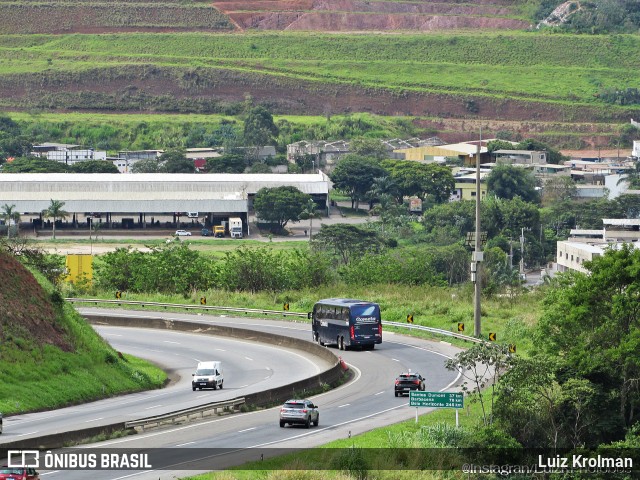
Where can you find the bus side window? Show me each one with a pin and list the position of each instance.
(345, 314)
(332, 313)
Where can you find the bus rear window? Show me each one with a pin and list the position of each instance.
(364, 311)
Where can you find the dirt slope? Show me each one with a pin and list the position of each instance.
(26, 312)
(364, 15)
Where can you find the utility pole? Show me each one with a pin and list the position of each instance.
(522, 251)
(477, 254)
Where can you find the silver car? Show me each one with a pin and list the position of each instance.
(301, 412)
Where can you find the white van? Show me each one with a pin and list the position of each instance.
(208, 375)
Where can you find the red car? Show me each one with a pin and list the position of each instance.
(18, 473)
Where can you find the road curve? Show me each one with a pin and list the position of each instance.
(366, 402)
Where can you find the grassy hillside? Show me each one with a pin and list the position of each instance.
(97, 16)
(502, 76)
(42, 337)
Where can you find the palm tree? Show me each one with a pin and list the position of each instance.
(54, 211)
(309, 212)
(9, 214)
(381, 186)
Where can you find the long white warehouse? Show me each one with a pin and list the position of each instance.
(144, 193)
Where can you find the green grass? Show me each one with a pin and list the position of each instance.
(443, 308)
(92, 372)
(537, 67)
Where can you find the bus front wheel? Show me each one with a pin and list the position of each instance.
(341, 343)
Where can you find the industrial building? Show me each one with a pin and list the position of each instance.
(137, 200)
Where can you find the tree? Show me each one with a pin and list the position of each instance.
(591, 323)
(94, 166)
(553, 156)
(227, 163)
(34, 165)
(558, 189)
(347, 241)
(54, 210)
(368, 147)
(175, 161)
(10, 215)
(260, 168)
(508, 181)
(383, 186)
(259, 128)
(14, 145)
(355, 175)
(309, 213)
(280, 204)
(481, 365)
(494, 145)
(421, 180)
(148, 165)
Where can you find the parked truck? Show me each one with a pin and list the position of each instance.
(235, 227)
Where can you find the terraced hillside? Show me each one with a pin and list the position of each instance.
(87, 16)
(99, 16)
(438, 60)
(366, 15)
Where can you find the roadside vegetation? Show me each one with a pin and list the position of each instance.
(43, 337)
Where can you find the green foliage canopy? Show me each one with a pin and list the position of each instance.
(280, 205)
(509, 181)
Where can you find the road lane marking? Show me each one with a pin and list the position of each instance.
(170, 341)
(23, 434)
(155, 406)
(345, 405)
(94, 420)
(247, 429)
(379, 393)
(395, 359)
(183, 444)
(250, 359)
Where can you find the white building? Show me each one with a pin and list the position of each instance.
(66, 153)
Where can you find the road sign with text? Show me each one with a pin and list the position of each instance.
(435, 399)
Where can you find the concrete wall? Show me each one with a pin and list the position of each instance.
(332, 375)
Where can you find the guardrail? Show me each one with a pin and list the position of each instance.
(200, 411)
(285, 313)
(434, 330)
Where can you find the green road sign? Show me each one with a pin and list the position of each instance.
(435, 399)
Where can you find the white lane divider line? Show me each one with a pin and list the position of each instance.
(170, 341)
(155, 406)
(379, 393)
(395, 359)
(247, 429)
(94, 420)
(345, 405)
(250, 359)
(183, 444)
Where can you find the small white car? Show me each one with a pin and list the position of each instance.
(182, 233)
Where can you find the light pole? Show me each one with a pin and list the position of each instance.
(477, 254)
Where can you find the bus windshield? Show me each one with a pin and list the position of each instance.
(364, 311)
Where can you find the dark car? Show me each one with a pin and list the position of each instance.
(302, 412)
(405, 382)
(18, 473)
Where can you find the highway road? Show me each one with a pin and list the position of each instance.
(366, 402)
